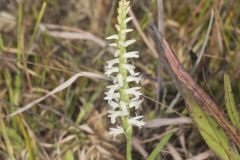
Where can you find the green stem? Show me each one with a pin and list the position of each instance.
(129, 143)
(123, 96)
(128, 134)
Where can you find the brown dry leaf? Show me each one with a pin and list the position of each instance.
(156, 123)
(58, 89)
(188, 87)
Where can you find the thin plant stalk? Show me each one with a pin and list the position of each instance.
(121, 96)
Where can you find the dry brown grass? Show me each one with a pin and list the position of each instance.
(70, 40)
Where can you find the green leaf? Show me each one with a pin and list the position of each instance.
(7, 140)
(69, 155)
(160, 145)
(213, 135)
(230, 103)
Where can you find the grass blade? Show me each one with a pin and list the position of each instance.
(160, 145)
(58, 89)
(39, 18)
(3, 132)
(233, 113)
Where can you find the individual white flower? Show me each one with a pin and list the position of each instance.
(130, 68)
(127, 30)
(114, 105)
(110, 71)
(114, 114)
(136, 121)
(134, 79)
(136, 74)
(114, 86)
(133, 54)
(112, 89)
(115, 36)
(135, 103)
(134, 91)
(127, 43)
(116, 131)
(114, 96)
(128, 20)
(112, 62)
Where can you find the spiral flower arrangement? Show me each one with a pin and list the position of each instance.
(121, 96)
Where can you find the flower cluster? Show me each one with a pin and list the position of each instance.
(121, 97)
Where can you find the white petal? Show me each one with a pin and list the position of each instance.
(109, 71)
(130, 68)
(136, 74)
(113, 44)
(134, 79)
(112, 89)
(136, 98)
(134, 88)
(115, 86)
(134, 91)
(110, 63)
(114, 114)
(113, 118)
(115, 36)
(136, 122)
(133, 54)
(128, 42)
(135, 103)
(128, 20)
(113, 104)
(114, 96)
(116, 131)
(127, 30)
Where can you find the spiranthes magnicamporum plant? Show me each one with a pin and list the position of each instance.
(121, 95)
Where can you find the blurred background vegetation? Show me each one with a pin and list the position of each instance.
(43, 43)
